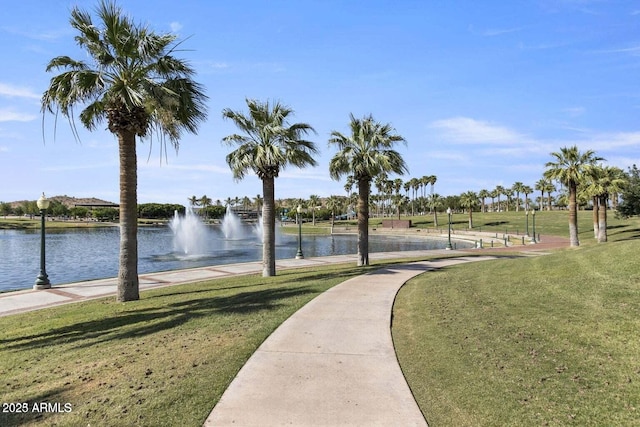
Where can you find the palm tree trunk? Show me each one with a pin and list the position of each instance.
(602, 220)
(470, 218)
(128, 286)
(595, 217)
(268, 229)
(363, 222)
(573, 215)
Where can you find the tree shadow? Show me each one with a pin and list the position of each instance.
(495, 223)
(146, 321)
(35, 414)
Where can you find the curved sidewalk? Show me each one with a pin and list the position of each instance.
(332, 363)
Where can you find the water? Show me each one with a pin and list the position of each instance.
(92, 253)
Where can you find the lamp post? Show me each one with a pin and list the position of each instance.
(526, 214)
(42, 281)
(299, 254)
(533, 217)
(449, 247)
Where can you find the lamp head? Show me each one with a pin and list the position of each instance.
(299, 209)
(43, 203)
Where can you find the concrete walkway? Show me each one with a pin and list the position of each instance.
(28, 300)
(332, 363)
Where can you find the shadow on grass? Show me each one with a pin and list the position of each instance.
(10, 417)
(145, 321)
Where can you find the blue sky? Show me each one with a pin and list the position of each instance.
(482, 91)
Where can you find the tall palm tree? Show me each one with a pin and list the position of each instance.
(526, 190)
(267, 144)
(493, 194)
(365, 154)
(205, 202)
(499, 191)
(602, 181)
(132, 81)
(193, 201)
(483, 194)
(314, 203)
(509, 195)
(569, 168)
(517, 188)
(469, 200)
(544, 185)
(334, 205)
(257, 201)
(435, 201)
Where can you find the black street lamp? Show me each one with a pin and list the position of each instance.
(449, 247)
(42, 281)
(299, 254)
(533, 217)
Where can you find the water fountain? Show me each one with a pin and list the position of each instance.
(232, 226)
(190, 235)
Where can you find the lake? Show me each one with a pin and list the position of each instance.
(81, 254)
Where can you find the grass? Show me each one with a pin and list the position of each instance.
(549, 340)
(32, 224)
(162, 361)
(544, 340)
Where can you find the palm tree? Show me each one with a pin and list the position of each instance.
(483, 194)
(435, 201)
(602, 181)
(133, 81)
(365, 154)
(517, 188)
(415, 185)
(545, 185)
(569, 168)
(267, 145)
(257, 201)
(499, 191)
(334, 205)
(493, 194)
(314, 203)
(469, 200)
(205, 202)
(509, 194)
(193, 201)
(526, 190)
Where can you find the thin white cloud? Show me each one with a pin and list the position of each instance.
(78, 167)
(175, 26)
(574, 111)
(295, 173)
(464, 130)
(7, 115)
(11, 91)
(4, 149)
(190, 168)
(633, 50)
(499, 31)
(609, 141)
(37, 35)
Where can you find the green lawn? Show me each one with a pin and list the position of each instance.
(550, 340)
(544, 340)
(162, 361)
